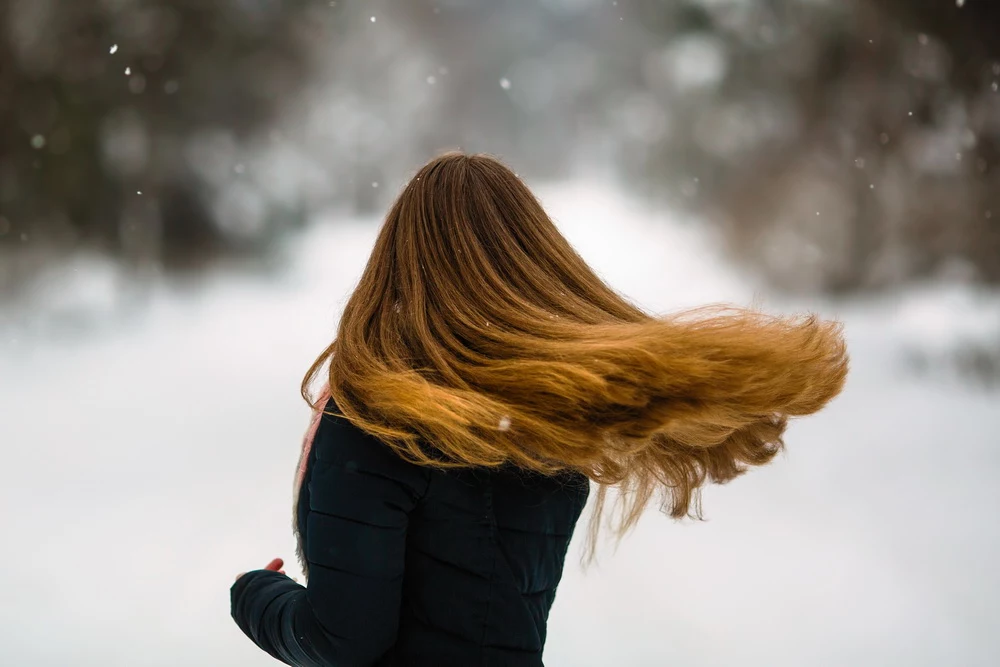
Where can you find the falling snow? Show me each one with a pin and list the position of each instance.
(374, 184)
(504, 423)
(960, 3)
(432, 79)
(114, 49)
(505, 83)
(128, 71)
(373, 19)
(38, 142)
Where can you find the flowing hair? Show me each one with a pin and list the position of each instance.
(477, 336)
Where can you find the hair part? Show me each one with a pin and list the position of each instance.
(478, 336)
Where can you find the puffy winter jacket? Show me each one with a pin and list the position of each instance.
(413, 566)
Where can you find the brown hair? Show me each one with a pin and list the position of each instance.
(478, 336)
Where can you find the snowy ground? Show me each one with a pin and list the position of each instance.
(146, 466)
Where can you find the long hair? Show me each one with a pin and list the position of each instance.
(477, 336)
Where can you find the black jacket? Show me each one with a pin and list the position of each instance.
(414, 566)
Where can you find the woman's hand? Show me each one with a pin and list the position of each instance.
(276, 565)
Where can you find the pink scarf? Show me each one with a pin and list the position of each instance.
(300, 471)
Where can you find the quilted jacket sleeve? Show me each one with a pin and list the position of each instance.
(360, 496)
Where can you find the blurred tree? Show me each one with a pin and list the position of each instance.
(969, 30)
(842, 146)
(121, 121)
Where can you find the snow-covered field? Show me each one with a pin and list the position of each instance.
(145, 466)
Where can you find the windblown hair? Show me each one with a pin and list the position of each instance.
(477, 336)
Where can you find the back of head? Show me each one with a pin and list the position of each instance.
(478, 336)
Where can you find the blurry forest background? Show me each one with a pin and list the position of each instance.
(843, 145)
(836, 146)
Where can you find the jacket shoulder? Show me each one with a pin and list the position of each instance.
(340, 444)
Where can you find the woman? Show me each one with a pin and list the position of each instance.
(481, 378)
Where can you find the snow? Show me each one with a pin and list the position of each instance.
(941, 317)
(147, 465)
